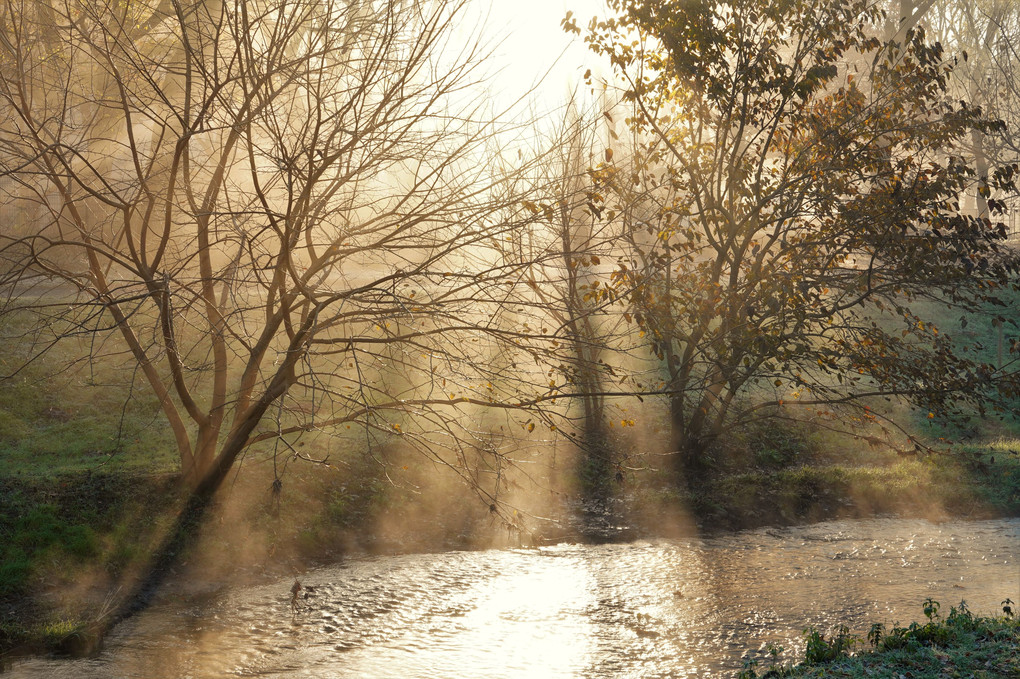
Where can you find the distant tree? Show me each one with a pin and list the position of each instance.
(985, 36)
(281, 214)
(567, 243)
(797, 186)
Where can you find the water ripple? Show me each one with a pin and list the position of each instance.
(644, 609)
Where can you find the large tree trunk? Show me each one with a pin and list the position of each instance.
(184, 530)
(692, 434)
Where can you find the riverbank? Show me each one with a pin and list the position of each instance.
(961, 644)
(71, 542)
(67, 545)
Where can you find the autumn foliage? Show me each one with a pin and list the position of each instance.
(797, 182)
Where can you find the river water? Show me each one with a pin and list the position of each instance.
(656, 608)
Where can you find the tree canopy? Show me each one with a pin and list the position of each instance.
(795, 185)
(295, 216)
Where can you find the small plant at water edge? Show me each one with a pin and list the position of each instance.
(959, 644)
(820, 650)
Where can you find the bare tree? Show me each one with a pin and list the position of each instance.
(984, 38)
(565, 255)
(281, 212)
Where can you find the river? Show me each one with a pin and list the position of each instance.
(650, 608)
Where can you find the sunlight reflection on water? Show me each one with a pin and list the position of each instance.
(643, 609)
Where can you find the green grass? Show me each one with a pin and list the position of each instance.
(53, 530)
(961, 644)
(63, 413)
(56, 424)
(949, 483)
(73, 636)
(792, 478)
(980, 337)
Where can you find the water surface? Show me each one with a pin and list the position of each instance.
(661, 608)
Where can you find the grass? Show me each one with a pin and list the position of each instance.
(982, 338)
(63, 636)
(76, 421)
(961, 644)
(66, 541)
(785, 474)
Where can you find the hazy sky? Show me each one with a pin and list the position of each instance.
(533, 43)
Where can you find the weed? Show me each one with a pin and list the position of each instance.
(775, 667)
(961, 644)
(821, 650)
(776, 446)
(52, 530)
(15, 567)
(748, 671)
(875, 633)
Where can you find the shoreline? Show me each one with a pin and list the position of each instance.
(60, 619)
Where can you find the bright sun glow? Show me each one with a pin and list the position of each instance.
(532, 52)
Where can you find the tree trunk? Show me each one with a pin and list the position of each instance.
(686, 452)
(692, 434)
(209, 480)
